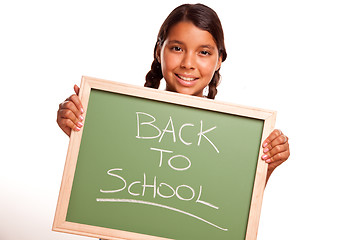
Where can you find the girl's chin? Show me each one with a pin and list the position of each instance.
(188, 91)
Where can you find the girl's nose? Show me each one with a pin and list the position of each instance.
(188, 61)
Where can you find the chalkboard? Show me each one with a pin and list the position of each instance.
(151, 164)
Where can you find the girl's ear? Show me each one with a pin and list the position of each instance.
(219, 63)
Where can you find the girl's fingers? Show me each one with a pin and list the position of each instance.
(70, 105)
(275, 134)
(69, 115)
(67, 125)
(279, 152)
(280, 140)
(76, 100)
(62, 124)
(276, 147)
(278, 157)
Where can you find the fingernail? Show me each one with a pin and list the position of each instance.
(81, 118)
(268, 160)
(77, 129)
(80, 124)
(265, 144)
(266, 150)
(263, 157)
(82, 110)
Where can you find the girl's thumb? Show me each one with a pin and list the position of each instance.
(76, 89)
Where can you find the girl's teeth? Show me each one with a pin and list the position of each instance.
(186, 78)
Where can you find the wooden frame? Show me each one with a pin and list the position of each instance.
(60, 224)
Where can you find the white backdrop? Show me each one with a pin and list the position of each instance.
(301, 58)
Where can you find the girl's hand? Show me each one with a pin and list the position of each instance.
(276, 150)
(69, 115)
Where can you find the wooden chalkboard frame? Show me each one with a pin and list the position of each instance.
(60, 224)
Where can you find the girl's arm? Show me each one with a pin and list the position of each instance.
(276, 150)
(69, 115)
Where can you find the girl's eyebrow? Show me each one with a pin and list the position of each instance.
(176, 41)
(208, 46)
(201, 46)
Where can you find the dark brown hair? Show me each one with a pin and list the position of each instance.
(202, 17)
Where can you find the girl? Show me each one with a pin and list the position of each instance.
(188, 55)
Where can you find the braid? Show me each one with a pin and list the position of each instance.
(154, 76)
(215, 81)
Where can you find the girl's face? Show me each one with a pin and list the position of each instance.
(189, 58)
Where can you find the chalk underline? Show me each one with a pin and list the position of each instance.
(157, 205)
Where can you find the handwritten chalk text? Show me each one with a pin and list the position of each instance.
(147, 120)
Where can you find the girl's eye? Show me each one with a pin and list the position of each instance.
(176, 49)
(205, 53)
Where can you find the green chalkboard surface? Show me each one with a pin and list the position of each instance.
(162, 169)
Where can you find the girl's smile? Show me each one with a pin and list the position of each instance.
(186, 80)
(189, 58)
